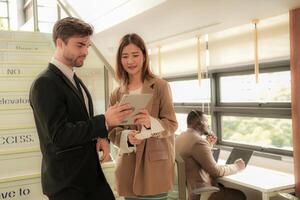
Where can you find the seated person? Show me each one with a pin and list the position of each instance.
(201, 168)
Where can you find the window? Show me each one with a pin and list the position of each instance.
(47, 15)
(272, 87)
(3, 9)
(3, 24)
(242, 113)
(4, 15)
(255, 115)
(190, 91)
(181, 119)
(189, 95)
(263, 132)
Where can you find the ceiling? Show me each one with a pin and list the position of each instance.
(165, 21)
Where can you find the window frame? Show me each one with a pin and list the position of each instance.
(255, 109)
(7, 18)
(251, 109)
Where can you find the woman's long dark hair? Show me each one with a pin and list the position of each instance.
(135, 39)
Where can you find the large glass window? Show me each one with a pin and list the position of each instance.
(181, 119)
(191, 91)
(4, 18)
(182, 124)
(47, 15)
(47, 12)
(3, 24)
(272, 87)
(263, 132)
(242, 113)
(257, 115)
(187, 95)
(3, 9)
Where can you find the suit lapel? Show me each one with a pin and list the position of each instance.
(54, 69)
(148, 88)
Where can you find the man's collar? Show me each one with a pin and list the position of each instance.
(63, 68)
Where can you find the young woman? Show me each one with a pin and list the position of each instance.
(146, 158)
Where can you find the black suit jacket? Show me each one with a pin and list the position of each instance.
(67, 134)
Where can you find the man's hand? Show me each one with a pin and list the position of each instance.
(212, 138)
(116, 114)
(103, 144)
(240, 164)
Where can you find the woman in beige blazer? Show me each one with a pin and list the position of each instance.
(201, 168)
(146, 151)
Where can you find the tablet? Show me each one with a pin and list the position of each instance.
(239, 153)
(137, 102)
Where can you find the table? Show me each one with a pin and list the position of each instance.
(268, 182)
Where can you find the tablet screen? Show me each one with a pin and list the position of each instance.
(137, 102)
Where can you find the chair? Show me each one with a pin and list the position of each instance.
(181, 177)
(205, 192)
(288, 196)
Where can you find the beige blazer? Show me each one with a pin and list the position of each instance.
(201, 168)
(149, 170)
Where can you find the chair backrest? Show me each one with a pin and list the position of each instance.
(181, 177)
(287, 196)
(205, 192)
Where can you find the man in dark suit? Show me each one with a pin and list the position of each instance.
(67, 129)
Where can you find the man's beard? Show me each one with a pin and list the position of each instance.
(75, 61)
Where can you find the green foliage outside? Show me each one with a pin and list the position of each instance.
(267, 132)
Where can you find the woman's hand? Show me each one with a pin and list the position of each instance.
(132, 139)
(143, 118)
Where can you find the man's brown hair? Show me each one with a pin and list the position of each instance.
(69, 27)
(135, 39)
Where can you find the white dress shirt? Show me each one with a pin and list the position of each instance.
(69, 73)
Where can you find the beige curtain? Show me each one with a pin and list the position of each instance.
(231, 47)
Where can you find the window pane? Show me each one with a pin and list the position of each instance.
(272, 87)
(181, 119)
(46, 27)
(265, 132)
(47, 3)
(47, 14)
(189, 91)
(3, 24)
(3, 9)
